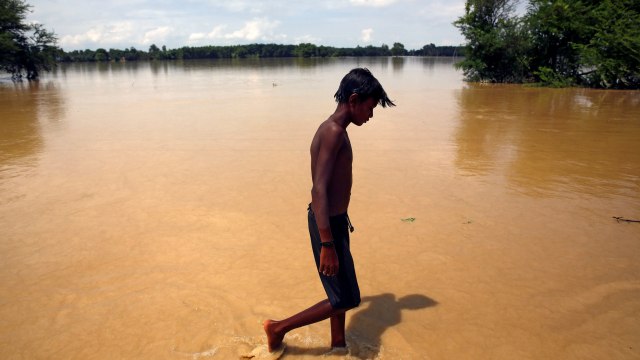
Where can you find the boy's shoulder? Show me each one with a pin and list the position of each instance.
(330, 130)
(331, 126)
(329, 134)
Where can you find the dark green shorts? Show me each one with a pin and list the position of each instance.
(342, 290)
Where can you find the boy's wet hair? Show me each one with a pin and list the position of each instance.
(360, 81)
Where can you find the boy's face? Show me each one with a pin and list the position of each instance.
(362, 111)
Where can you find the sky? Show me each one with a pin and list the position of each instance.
(91, 24)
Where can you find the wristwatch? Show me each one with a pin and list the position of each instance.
(327, 243)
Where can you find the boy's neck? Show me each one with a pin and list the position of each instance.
(342, 115)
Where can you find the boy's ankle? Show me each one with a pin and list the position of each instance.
(338, 343)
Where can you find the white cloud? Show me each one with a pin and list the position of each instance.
(252, 6)
(373, 3)
(196, 36)
(103, 34)
(254, 30)
(216, 32)
(443, 9)
(366, 35)
(156, 35)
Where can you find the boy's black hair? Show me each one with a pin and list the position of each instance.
(360, 81)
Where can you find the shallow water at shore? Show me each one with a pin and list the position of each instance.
(157, 210)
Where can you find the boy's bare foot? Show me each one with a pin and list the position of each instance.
(274, 339)
(338, 344)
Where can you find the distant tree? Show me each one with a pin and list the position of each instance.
(101, 55)
(24, 48)
(325, 51)
(239, 52)
(384, 50)
(131, 54)
(179, 53)
(87, 55)
(430, 50)
(306, 50)
(116, 54)
(398, 49)
(154, 52)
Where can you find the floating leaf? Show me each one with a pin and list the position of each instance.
(408, 219)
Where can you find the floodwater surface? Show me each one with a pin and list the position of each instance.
(158, 211)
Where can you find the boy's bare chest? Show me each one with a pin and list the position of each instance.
(344, 158)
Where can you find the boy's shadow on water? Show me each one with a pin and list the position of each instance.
(371, 319)
(380, 312)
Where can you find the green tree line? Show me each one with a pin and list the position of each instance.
(251, 51)
(594, 43)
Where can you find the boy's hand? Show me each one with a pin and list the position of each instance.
(328, 261)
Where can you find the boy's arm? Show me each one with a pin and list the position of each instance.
(331, 139)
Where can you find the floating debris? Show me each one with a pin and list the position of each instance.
(620, 218)
(408, 219)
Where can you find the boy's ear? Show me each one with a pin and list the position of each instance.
(354, 98)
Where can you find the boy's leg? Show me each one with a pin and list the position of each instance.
(323, 310)
(337, 330)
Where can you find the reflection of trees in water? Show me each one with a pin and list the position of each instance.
(576, 139)
(24, 109)
(397, 63)
(101, 69)
(158, 67)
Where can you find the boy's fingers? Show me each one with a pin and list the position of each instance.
(333, 271)
(328, 271)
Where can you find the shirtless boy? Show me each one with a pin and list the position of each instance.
(331, 159)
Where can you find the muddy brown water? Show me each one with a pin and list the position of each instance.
(157, 211)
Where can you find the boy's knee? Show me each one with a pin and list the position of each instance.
(351, 303)
(356, 302)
